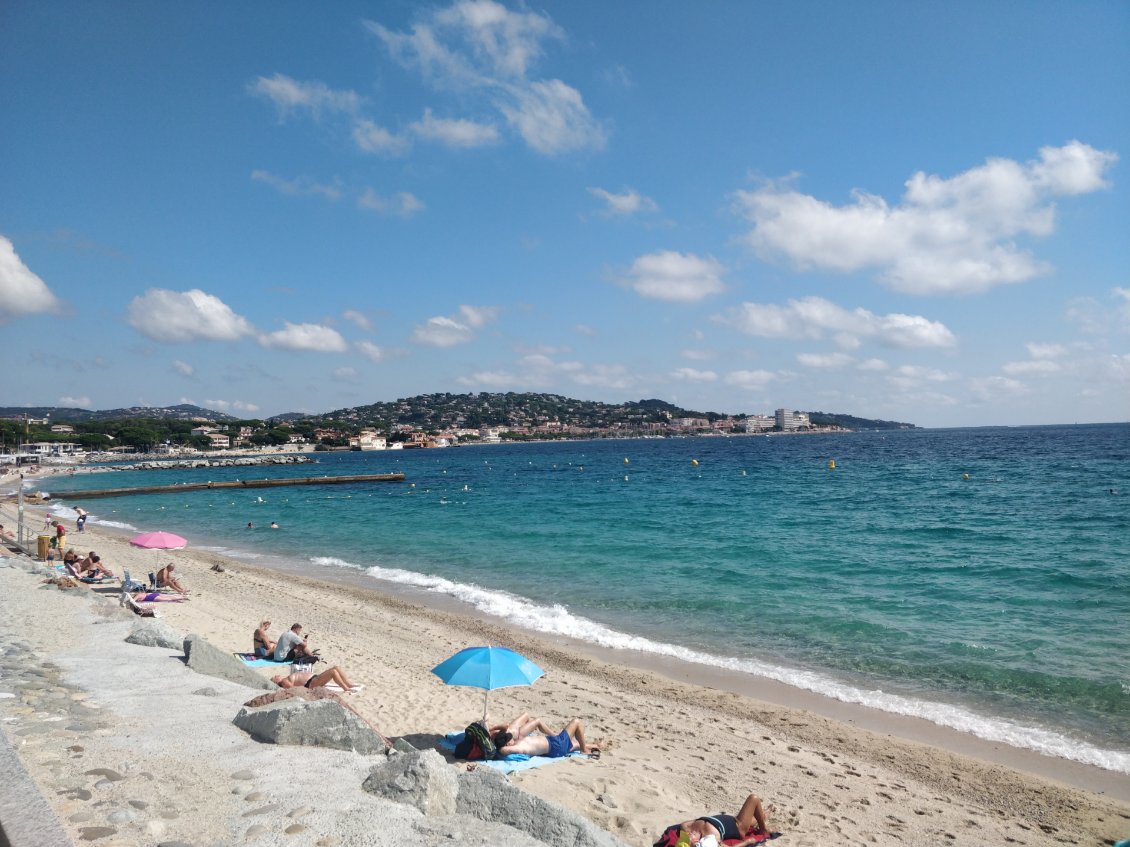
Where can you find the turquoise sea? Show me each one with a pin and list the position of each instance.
(997, 604)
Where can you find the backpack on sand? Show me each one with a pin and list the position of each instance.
(476, 744)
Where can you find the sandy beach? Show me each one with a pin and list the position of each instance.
(683, 743)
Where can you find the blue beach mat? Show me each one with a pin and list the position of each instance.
(253, 661)
(507, 764)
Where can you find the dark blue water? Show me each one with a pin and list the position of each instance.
(979, 578)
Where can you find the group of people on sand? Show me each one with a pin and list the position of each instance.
(292, 646)
(90, 567)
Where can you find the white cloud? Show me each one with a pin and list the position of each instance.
(585, 329)
(627, 203)
(304, 337)
(371, 351)
(909, 377)
(297, 187)
(403, 204)
(756, 380)
(478, 316)
(21, 291)
(358, 318)
(698, 355)
(693, 375)
(551, 117)
(344, 374)
(538, 372)
(442, 331)
(825, 361)
(506, 41)
(873, 365)
(471, 42)
(232, 405)
(454, 132)
(946, 236)
(371, 138)
(483, 48)
(675, 277)
(1045, 351)
(997, 388)
(813, 317)
(165, 315)
(1123, 308)
(290, 95)
(183, 368)
(75, 402)
(1035, 367)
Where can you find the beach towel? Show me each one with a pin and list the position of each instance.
(507, 764)
(670, 837)
(253, 661)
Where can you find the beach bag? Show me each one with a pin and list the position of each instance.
(476, 744)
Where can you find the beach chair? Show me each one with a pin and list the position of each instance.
(141, 611)
(128, 585)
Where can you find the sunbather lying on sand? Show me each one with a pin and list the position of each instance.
(156, 597)
(306, 679)
(518, 738)
(749, 819)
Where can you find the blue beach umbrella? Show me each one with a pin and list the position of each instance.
(487, 668)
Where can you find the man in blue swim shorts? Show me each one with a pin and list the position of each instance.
(747, 827)
(521, 736)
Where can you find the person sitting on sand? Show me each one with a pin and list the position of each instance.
(306, 679)
(264, 646)
(91, 567)
(292, 645)
(71, 558)
(165, 579)
(518, 738)
(748, 826)
(6, 533)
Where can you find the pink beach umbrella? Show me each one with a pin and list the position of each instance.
(158, 541)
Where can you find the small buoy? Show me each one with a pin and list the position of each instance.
(694, 462)
(831, 464)
(625, 477)
(625, 460)
(965, 476)
(743, 473)
(411, 485)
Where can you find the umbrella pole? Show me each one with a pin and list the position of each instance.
(486, 697)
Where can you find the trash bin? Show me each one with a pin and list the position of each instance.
(43, 547)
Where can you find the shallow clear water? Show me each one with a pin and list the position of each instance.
(997, 604)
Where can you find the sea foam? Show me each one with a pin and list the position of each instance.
(558, 620)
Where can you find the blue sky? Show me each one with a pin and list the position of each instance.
(905, 211)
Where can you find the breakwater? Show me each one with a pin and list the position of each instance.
(190, 464)
(244, 483)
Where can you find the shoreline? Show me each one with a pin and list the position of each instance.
(652, 706)
(1082, 775)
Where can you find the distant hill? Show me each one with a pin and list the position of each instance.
(852, 422)
(64, 414)
(435, 412)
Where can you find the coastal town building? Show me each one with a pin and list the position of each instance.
(790, 421)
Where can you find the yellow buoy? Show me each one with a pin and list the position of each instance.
(694, 462)
(831, 464)
(965, 476)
